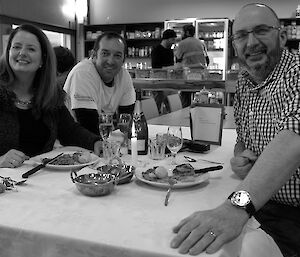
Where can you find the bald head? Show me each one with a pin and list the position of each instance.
(254, 14)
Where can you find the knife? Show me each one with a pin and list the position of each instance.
(35, 169)
(204, 170)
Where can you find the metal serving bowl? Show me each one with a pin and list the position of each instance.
(94, 184)
(123, 172)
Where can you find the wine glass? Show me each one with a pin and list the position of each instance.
(105, 125)
(174, 141)
(123, 124)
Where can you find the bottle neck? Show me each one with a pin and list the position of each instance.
(138, 103)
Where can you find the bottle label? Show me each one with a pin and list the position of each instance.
(141, 145)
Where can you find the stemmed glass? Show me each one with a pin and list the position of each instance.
(174, 141)
(123, 124)
(105, 125)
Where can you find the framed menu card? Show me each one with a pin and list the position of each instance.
(206, 123)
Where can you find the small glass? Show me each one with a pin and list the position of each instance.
(105, 125)
(174, 141)
(111, 150)
(123, 124)
(157, 147)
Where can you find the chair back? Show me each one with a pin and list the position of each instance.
(150, 109)
(174, 102)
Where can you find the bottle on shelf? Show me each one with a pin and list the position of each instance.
(139, 127)
(298, 12)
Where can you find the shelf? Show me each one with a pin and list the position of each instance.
(294, 39)
(215, 49)
(129, 31)
(143, 39)
(210, 38)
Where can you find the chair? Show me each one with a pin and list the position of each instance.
(150, 109)
(174, 102)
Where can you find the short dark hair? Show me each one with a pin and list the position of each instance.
(169, 33)
(109, 35)
(65, 59)
(190, 29)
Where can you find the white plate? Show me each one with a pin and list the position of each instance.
(199, 179)
(38, 159)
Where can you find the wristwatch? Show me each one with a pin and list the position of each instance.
(242, 199)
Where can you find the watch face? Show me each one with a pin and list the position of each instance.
(241, 198)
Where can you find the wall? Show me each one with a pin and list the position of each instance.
(42, 11)
(130, 11)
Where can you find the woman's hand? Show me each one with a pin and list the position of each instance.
(98, 147)
(242, 164)
(12, 159)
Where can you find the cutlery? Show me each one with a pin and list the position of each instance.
(189, 159)
(37, 168)
(204, 170)
(172, 182)
(14, 181)
(210, 161)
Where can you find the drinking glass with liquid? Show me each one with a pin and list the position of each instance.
(105, 125)
(174, 141)
(124, 122)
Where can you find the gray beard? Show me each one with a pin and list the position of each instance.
(261, 71)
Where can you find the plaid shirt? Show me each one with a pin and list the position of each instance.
(263, 110)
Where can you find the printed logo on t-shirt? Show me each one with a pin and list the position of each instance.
(83, 98)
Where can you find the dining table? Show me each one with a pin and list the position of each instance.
(47, 216)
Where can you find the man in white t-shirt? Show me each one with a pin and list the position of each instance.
(101, 83)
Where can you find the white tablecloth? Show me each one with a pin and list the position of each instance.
(48, 216)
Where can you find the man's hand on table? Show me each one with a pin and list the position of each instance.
(12, 159)
(242, 164)
(209, 230)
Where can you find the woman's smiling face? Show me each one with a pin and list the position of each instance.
(25, 54)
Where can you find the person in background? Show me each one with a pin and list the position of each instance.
(267, 151)
(191, 52)
(65, 61)
(162, 56)
(101, 83)
(32, 110)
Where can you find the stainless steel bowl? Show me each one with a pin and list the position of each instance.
(94, 184)
(123, 172)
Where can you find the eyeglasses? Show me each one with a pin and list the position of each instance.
(258, 31)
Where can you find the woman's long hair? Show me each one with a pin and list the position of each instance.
(46, 91)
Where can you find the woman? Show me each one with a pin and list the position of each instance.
(32, 110)
(65, 61)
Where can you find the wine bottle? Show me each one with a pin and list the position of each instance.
(141, 128)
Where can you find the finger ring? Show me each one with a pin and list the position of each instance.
(212, 234)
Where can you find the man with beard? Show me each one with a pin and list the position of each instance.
(267, 151)
(101, 83)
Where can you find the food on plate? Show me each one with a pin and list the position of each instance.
(185, 169)
(71, 159)
(2, 188)
(181, 173)
(84, 157)
(161, 172)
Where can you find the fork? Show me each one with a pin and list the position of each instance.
(171, 182)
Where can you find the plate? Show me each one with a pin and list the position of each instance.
(199, 179)
(38, 159)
